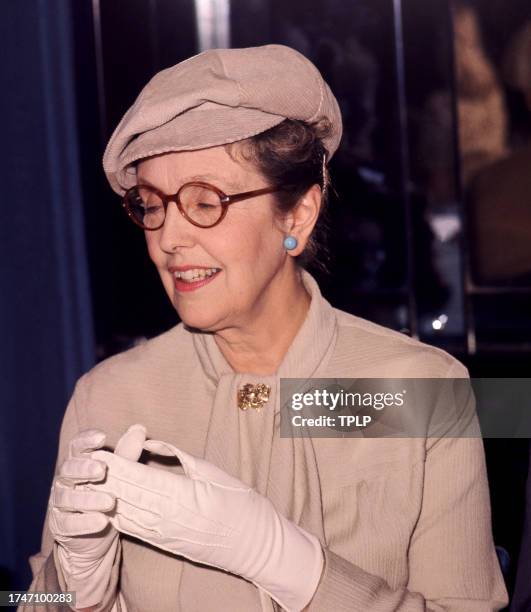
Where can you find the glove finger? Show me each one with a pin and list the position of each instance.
(131, 444)
(139, 484)
(82, 470)
(72, 524)
(168, 450)
(162, 448)
(86, 440)
(194, 467)
(81, 500)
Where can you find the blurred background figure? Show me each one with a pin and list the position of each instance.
(516, 71)
(481, 109)
(499, 196)
(481, 112)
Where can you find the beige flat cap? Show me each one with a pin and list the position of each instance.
(217, 97)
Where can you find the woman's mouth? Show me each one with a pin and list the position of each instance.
(194, 278)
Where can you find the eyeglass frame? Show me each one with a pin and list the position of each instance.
(225, 199)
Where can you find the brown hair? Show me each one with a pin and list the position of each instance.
(292, 154)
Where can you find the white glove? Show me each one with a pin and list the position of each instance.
(212, 518)
(87, 541)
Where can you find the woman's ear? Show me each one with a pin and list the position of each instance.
(302, 219)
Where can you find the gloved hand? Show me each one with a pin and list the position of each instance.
(212, 518)
(87, 541)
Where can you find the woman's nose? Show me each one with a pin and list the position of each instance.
(176, 231)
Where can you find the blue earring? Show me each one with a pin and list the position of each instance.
(290, 242)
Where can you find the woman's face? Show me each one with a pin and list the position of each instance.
(246, 247)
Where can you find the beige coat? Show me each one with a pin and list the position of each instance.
(404, 523)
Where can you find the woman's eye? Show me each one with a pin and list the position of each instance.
(205, 206)
(151, 210)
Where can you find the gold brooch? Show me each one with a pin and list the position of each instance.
(253, 396)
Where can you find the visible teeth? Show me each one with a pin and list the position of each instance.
(196, 273)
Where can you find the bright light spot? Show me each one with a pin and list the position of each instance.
(440, 322)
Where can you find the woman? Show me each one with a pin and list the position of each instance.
(250, 520)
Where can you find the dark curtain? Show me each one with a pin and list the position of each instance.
(47, 328)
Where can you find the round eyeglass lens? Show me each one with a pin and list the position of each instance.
(146, 207)
(201, 204)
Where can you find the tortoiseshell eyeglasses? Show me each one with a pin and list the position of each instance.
(201, 204)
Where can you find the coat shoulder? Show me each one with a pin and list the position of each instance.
(170, 349)
(384, 352)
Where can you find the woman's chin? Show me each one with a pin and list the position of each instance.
(194, 320)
